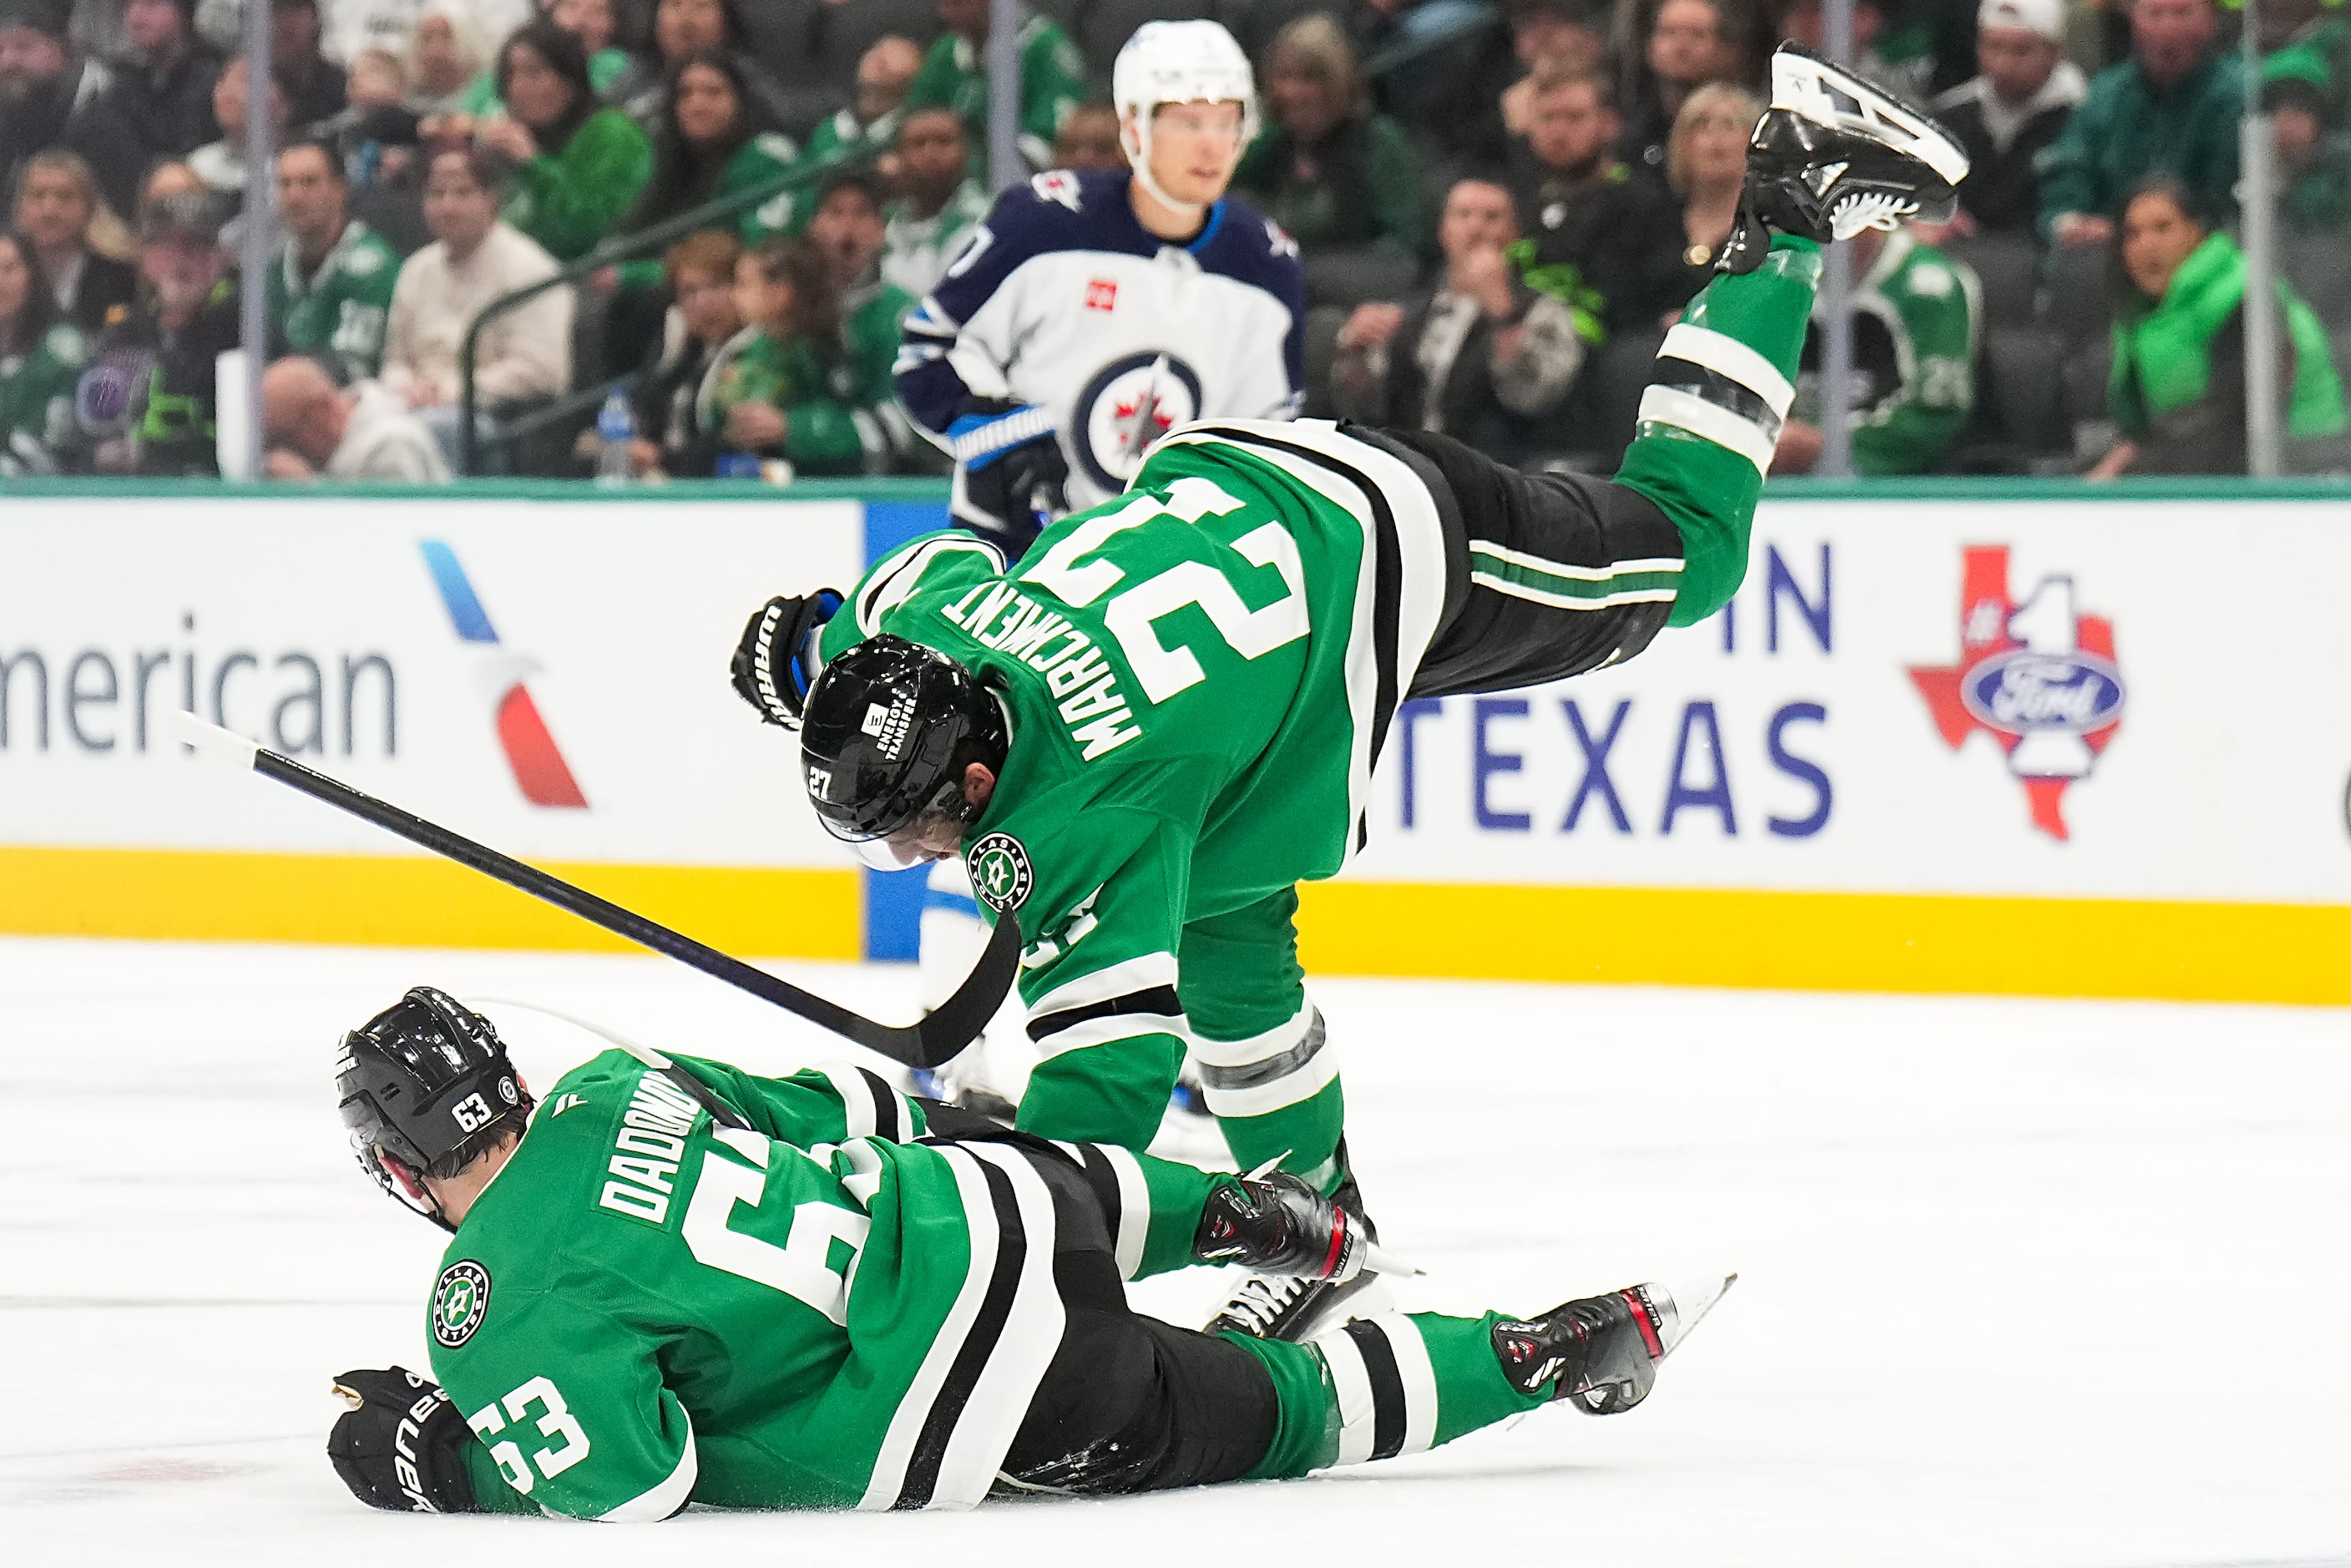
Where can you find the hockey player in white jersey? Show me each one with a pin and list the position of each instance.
(1093, 312)
(1088, 315)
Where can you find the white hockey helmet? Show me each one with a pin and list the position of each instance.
(1177, 62)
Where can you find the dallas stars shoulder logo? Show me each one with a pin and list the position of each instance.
(2039, 678)
(460, 1297)
(1000, 873)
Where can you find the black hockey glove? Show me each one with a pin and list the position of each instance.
(401, 1444)
(776, 663)
(1010, 475)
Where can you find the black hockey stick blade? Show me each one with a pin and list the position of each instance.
(937, 1038)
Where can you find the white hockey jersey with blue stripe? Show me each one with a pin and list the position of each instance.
(1063, 301)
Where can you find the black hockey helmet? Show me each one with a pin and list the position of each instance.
(889, 729)
(425, 1087)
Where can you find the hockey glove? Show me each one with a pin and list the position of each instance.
(401, 1444)
(776, 663)
(1010, 475)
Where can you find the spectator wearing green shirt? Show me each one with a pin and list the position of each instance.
(2178, 387)
(578, 167)
(847, 230)
(785, 386)
(1340, 177)
(710, 145)
(330, 292)
(954, 75)
(938, 204)
(41, 359)
(2172, 108)
(588, 21)
(1917, 313)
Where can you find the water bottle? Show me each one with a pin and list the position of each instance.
(616, 428)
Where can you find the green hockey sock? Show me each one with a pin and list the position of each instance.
(1708, 427)
(1380, 1387)
(1304, 1137)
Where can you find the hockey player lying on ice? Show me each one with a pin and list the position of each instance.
(687, 1284)
(1143, 734)
(1142, 737)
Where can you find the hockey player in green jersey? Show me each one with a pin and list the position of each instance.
(1167, 713)
(676, 1282)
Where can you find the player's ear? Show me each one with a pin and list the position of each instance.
(978, 784)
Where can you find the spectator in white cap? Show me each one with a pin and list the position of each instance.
(2005, 115)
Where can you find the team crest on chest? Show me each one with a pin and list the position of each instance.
(1126, 407)
(1000, 874)
(459, 1299)
(1102, 294)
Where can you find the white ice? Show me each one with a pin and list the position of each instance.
(2021, 1282)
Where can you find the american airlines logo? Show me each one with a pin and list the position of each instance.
(540, 770)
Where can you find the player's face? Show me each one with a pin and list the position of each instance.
(1194, 147)
(705, 106)
(309, 198)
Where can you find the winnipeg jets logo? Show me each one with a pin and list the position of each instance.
(1126, 407)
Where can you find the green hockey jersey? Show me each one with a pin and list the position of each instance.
(644, 1308)
(1199, 677)
(339, 311)
(1916, 315)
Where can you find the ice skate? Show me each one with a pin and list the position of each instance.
(1276, 1302)
(1834, 155)
(1601, 1353)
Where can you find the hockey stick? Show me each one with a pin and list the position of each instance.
(937, 1038)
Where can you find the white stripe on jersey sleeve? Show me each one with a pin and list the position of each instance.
(1141, 974)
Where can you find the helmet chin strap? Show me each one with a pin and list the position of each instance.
(1138, 142)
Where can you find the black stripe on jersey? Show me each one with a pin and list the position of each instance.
(889, 1115)
(1388, 581)
(978, 1345)
(1719, 390)
(1104, 1183)
(1387, 1387)
(1158, 1000)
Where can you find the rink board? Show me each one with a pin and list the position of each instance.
(2018, 741)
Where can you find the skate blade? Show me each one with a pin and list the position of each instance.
(1377, 1260)
(1682, 1305)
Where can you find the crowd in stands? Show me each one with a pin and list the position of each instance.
(1500, 208)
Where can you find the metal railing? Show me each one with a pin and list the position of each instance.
(611, 252)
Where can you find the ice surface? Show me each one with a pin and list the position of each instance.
(2032, 1283)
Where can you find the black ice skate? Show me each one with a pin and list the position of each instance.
(1601, 1353)
(1833, 156)
(1312, 1254)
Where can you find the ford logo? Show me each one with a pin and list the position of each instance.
(2020, 691)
